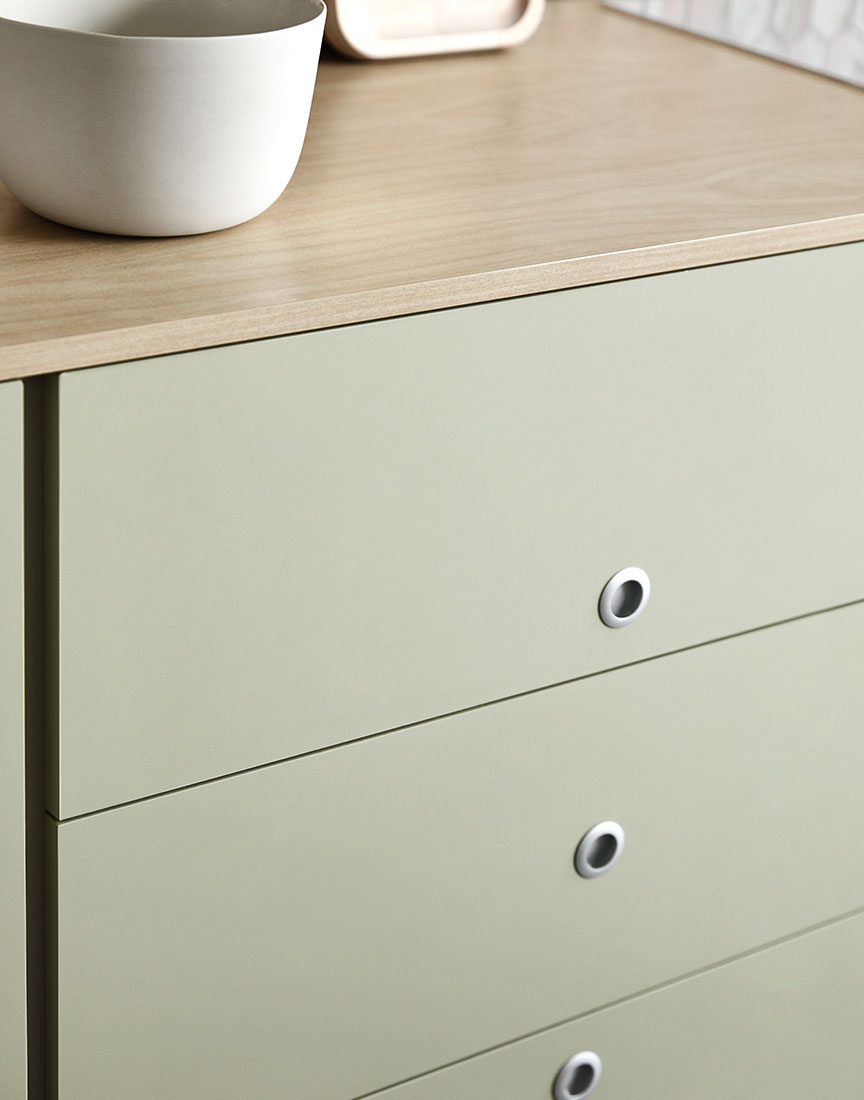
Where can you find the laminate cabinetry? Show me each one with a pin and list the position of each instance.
(275, 548)
(13, 996)
(328, 703)
(333, 925)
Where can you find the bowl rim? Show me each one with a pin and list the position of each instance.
(320, 14)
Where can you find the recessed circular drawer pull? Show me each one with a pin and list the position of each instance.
(599, 850)
(624, 597)
(578, 1076)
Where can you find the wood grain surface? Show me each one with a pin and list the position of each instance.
(604, 148)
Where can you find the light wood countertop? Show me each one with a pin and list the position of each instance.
(605, 148)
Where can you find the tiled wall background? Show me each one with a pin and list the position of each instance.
(824, 35)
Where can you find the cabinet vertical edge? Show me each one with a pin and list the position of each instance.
(50, 1073)
(13, 871)
(40, 657)
(45, 431)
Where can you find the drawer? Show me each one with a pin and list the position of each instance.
(13, 955)
(268, 549)
(385, 908)
(785, 1024)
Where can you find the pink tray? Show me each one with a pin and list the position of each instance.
(405, 28)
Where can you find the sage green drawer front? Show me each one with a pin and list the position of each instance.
(336, 924)
(785, 1024)
(13, 1006)
(272, 548)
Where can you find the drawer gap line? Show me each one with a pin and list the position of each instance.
(642, 993)
(440, 717)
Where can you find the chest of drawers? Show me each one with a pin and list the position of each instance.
(302, 571)
(317, 794)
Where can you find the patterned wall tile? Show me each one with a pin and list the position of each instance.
(824, 35)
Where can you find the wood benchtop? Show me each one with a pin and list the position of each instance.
(605, 148)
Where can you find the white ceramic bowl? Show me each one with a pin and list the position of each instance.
(154, 117)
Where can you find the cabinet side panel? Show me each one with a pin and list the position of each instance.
(13, 997)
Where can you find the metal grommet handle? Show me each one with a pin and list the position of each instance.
(599, 850)
(578, 1076)
(624, 597)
